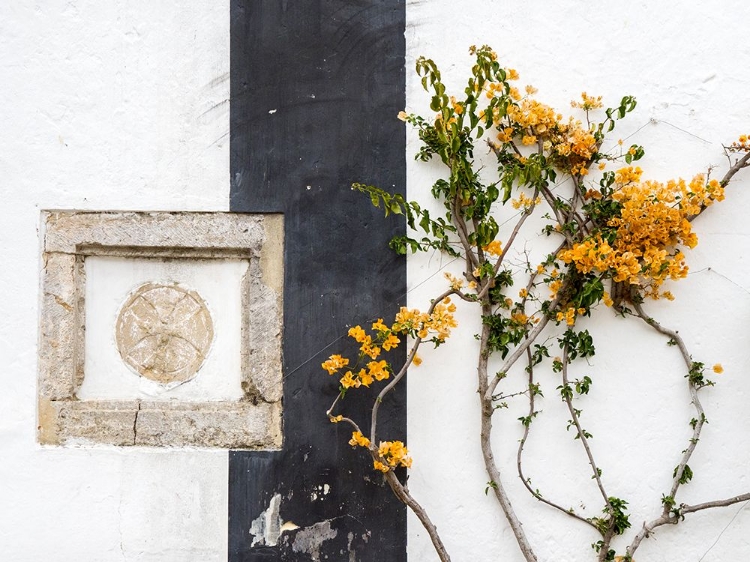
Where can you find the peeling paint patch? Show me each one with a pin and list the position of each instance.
(266, 528)
(310, 539)
(349, 539)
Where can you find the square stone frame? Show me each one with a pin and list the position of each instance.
(254, 422)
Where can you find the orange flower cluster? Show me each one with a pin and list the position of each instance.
(458, 107)
(653, 221)
(393, 454)
(411, 322)
(742, 143)
(519, 318)
(359, 440)
(587, 102)
(376, 370)
(385, 339)
(454, 281)
(571, 142)
(578, 145)
(495, 248)
(569, 315)
(334, 363)
(525, 202)
(370, 348)
(626, 176)
(534, 116)
(495, 89)
(421, 324)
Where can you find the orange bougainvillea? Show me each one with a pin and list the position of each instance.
(618, 239)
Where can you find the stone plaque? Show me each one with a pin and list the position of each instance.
(164, 332)
(203, 312)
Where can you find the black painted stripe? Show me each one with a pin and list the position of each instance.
(315, 88)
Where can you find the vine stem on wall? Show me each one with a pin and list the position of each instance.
(669, 514)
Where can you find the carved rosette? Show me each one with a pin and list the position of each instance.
(164, 332)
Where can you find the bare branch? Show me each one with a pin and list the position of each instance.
(486, 441)
(580, 432)
(471, 259)
(741, 163)
(519, 454)
(701, 419)
(402, 493)
(667, 515)
(674, 517)
(684, 508)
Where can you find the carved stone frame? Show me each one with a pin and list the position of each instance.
(254, 422)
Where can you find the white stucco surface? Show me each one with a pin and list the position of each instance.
(106, 105)
(112, 105)
(688, 68)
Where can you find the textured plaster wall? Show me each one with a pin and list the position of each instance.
(105, 105)
(688, 68)
(125, 106)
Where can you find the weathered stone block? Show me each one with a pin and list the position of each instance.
(163, 331)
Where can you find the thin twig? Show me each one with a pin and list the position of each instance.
(579, 430)
(667, 516)
(518, 352)
(674, 517)
(522, 442)
(550, 198)
(524, 215)
(701, 419)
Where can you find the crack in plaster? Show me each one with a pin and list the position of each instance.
(119, 526)
(135, 422)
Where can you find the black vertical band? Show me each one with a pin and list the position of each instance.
(315, 89)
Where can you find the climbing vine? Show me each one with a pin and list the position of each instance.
(618, 239)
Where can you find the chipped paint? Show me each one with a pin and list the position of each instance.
(319, 492)
(310, 539)
(266, 528)
(289, 526)
(349, 539)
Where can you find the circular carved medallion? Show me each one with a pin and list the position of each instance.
(164, 332)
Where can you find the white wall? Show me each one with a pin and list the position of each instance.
(688, 67)
(105, 105)
(114, 105)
